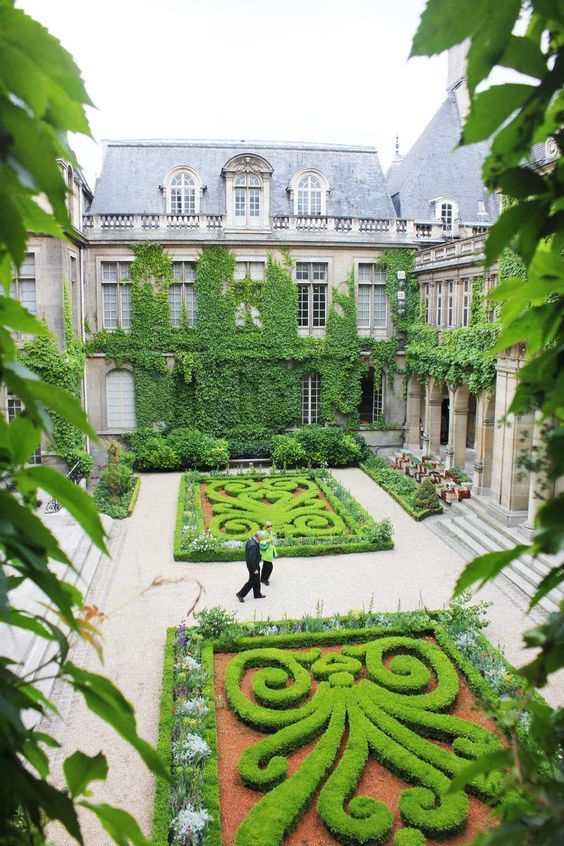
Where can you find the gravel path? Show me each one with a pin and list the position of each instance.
(421, 569)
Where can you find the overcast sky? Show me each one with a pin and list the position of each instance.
(275, 70)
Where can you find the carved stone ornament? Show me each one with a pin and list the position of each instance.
(551, 150)
(248, 164)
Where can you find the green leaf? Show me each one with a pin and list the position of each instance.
(444, 24)
(523, 55)
(486, 567)
(509, 223)
(550, 581)
(81, 769)
(491, 108)
(24, 437)
(72, 497)
(63, 403)
(29, 526)
(490, 42)
(120, 825)
(13, 314)
(105, 700)
(522, 182)
(491, 762)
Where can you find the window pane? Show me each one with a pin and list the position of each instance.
(240, 270)
(302, 202)
(125, 296)
(27, 295)
(379, 274)
(256, 270)
(125, 270)
(177, 269)
(190, 302)
(175, 301)
(240, 202)
(109, 271)
(28, 265)
(319, 305)
(365, 272)
(379, 305)
(320, 272)
(363, 307)
(13, 407)
(378, 406)
(120, 397)
(303, 305)
(310, 399)
(109, 303)
(302, 270)
(254, 202)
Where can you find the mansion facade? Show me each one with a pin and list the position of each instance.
(331, 211)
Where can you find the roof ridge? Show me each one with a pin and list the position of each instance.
(224, 143)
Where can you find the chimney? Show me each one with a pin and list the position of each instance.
(456, 78)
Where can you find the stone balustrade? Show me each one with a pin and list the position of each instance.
(468, 247)
(282, 227)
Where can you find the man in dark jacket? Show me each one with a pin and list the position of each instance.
(252, 560)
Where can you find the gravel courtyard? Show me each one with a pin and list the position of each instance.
(421, 569)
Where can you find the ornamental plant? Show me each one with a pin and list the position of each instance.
(426, 497)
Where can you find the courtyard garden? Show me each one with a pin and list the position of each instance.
(349, 729)
(310, 512)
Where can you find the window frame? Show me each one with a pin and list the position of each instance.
(439, 305)
(247, 214)
(185, 282)
(248, 274)
(113, 427)
(22, 278)
(310, 399)
(188, 207)
(313, 295)
(450, 304)
(299, 193)
(466, 301)
(121, 285)
(376, 282)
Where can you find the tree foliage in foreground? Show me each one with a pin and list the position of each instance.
(514, 117)
(42, 97)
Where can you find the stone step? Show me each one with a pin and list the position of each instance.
(467, 532)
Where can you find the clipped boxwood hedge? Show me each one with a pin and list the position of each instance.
(402, 488)
(194, 542)
(393, 714)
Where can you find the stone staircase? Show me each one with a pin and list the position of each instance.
(30, 651)
(471, 529)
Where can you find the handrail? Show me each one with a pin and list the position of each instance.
(74, 475)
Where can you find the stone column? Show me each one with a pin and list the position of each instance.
(432, 433)
(415, 392)
(457, 425)
(512, 436)
(539, 485)
(485, 419)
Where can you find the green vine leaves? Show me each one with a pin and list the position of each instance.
(388, 699)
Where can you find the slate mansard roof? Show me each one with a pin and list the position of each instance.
(436, 167)
(132, 172)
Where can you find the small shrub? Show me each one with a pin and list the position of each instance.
(215, 622)
(426, 497)
(288, 452)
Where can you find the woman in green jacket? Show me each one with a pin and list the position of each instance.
(268, 553)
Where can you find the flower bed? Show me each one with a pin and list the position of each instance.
(311, 514)
(378, 704)
(402, 488)
(118, 507)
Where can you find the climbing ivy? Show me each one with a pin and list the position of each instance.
(64, 368)
(232, 376)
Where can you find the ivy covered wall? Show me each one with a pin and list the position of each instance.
(238, 370)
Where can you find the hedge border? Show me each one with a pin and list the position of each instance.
(336, 546)
(161, 810)
(417, 515)
(134, 496)
(477, 683)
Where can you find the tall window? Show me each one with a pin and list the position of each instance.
(446, 216)
(311, 386)
(450, 303)
(247, 187)
(439, 303)
(465, 302)
(23, 286)
(181, 293)
(378, 402)
(14, 407)
(426, 302)
(371, 302)
(249, 270)
(312, 294)
(120, 400)
(116, 294)
(308, 196)
(182, 194)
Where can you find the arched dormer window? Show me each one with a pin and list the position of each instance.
(183, 190)
(309, 190)
(247, 192)
(446, 212)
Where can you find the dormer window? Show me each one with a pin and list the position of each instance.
(183, 190)
(309, 190)
(247, 192)
(446, 212)
(247, 187)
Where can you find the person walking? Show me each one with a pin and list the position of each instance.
(268, 552)
(252, 560)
